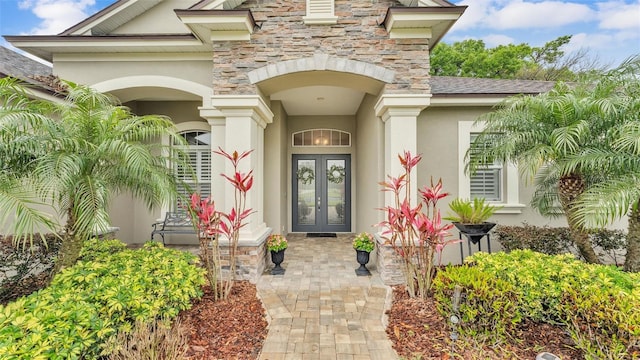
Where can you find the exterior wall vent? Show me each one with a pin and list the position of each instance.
(320, 12)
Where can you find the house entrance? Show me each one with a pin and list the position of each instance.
(321, 190)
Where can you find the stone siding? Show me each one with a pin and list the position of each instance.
(283, 36)
(251, 261)
(389, 264)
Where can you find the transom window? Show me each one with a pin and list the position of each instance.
(322, 137)
(198, 178)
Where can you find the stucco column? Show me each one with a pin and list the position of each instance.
(217, 121)
(245, 118)
(399, 113)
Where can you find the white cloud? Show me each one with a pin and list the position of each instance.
(56, 15)
(618, 15)
(493, 40)
(521, 14)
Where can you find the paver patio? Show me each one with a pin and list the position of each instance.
(320, 309)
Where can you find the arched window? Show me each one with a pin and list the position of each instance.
(322, 137)
(198, 151)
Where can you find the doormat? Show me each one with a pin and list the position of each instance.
(321, 235)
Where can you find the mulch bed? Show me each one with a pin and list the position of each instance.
(418, 331)
(234, 328)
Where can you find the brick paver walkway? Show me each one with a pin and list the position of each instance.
(320, 309)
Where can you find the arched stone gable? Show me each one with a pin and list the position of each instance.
(357, 36)
(320, 62)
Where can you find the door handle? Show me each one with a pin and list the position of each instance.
(318, 203)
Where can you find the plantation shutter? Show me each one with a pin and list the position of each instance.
(486, 182)
(198, 177)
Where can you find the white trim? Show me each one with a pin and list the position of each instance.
(510, 190)
(440, 100)
(106, 57)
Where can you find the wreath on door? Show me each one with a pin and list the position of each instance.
(306, 175)
(336, 174)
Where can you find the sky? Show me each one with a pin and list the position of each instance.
(608, 29)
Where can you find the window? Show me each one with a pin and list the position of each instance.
(320, 12)
(498, 183)
(486, 181)
(322, 137)
(198, 152)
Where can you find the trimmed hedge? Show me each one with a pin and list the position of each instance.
(609, 244)
(107, 291)
(599, 305)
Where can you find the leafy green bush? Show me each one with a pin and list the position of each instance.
(557, 240)
(93, 300)
(489, 308)
(546, 240)
(600, 305)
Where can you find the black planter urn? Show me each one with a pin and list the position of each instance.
(474, 232)
(363, 259)
(277, 257)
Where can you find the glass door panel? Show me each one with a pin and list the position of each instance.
(306, 191)
(335, 179)
(321, 199)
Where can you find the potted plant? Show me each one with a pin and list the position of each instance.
(363, 244)
(470, 217)
(277, 244)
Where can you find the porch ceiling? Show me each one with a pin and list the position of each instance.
(320, 100)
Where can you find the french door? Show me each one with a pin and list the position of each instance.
(321, 188)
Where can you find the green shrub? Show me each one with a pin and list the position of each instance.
(97, 249)
(489, 307)
(599, 305)
(546, 240)
(557, 240)
(93, 300)
(603, 322)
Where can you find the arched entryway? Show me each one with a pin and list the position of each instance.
(323, 149)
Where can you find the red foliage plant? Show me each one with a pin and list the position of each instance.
(416, 233)
(213, 224)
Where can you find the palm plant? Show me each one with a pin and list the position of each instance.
(539, 132)
(73, 155)
(617, 159)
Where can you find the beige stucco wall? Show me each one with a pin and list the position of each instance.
(438, 143)
(160, 19)
(275, 166)
(370, 167)
(92, 69)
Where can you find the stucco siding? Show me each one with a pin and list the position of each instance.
(275, 167)
(87, 70)
(160, 19)
(369, 168)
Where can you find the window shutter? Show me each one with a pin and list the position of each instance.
(486, 182)
(198, 178)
